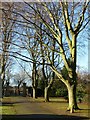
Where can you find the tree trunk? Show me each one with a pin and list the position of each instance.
(2, 79)
(34, 81)
(71, 98)
(34, 93)
(46, 94)
(2, 89)
(24, 90)
(18, 91)
(75, 99)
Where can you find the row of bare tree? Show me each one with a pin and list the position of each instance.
(44, 35)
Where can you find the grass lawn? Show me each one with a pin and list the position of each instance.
(7, 107)
(7, 110)
(57, 106)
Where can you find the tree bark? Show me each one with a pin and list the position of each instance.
(18, 90)
(34, 92)
(24, 90)
(3, 79)
(34, 81)
(71, 98)
(46, 94)
(75, 99)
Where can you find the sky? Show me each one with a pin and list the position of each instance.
(82, 53)
(82, 61)
(83, 50)
(82, 58)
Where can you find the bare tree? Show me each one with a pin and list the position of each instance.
(62, 22)
(5, 46)
(20, 78)
(30, 45)
(70, 28)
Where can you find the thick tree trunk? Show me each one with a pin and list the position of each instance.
(75, 98)
(34, 92)
(72, 98)
(46, 94)
(47, 89)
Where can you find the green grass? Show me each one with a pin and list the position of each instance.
(7, 110)
(59, 106)
(56, 105)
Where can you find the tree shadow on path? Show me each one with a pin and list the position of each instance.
(43, 117)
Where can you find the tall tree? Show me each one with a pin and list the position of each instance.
(30, 46)
(48, 76)
(66, 30)
(7, 26)
(63, 21)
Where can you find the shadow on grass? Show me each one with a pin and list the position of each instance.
(10, 103)
(7, 104)
(85, 109)
(42, 117)
(4, 103)
(59, 101)
(16, 102)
